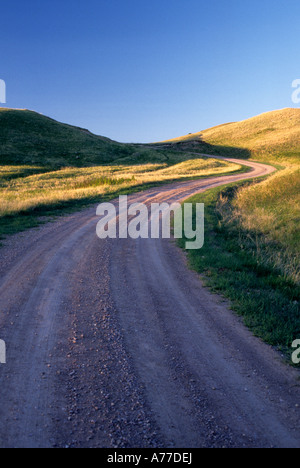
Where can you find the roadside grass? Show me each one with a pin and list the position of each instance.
(270, 213)
(240, 258)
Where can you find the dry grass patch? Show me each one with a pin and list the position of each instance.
(21, 193)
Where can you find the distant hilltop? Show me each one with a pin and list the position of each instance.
(274, 133)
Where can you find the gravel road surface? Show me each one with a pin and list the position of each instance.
(115, 343)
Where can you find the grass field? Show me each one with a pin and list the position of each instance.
(270, 214)
(48, 168)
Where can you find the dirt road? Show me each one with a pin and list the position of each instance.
(116, 343)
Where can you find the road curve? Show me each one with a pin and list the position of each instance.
(116, 343)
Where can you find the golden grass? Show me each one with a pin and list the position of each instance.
(270, 213)
(26, 193)
(273, 135)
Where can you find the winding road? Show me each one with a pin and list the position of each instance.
(116, 343)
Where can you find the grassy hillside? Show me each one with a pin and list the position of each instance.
(273, 137)
(47, 167)
(30, 138)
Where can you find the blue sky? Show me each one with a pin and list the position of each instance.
(144, 71)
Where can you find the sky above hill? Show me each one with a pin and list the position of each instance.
(144, 71)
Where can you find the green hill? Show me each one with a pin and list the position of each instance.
(29, 138)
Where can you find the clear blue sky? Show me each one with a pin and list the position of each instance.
(137, 70)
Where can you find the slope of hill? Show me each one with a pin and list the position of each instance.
(271, 136)
(27, 137)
